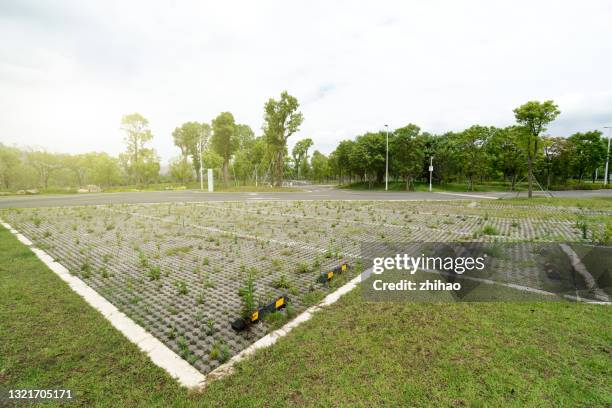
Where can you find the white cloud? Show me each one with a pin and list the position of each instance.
(70, 69)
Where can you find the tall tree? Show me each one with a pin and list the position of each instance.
(225, 140)
(320, 166)
(45, 164)
(281, 120)
(406, 151)
(507, 157)
(472, 150)
(534, 116)
(587, 153)
(300, 153)
(342, 159)
(139, 161)
(192, 138)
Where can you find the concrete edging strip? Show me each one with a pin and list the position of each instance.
(158, 352)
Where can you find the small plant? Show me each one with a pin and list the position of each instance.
(200, 298)
(36, 220)
(303, 267)
(247, 294)
(489, 230)
(277, 264)
(86, 269)
(210, 327)
(205, 261)
(171, 333)
(214, 352)
(142, 259)
(181, 286)
(282, 283)
(582, 225)
(104, 272)
(183, 346)
(47, 234)
(225, 354)
(154, 273)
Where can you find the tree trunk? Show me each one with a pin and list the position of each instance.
(278, 172)
(225, 171)
(530, 174)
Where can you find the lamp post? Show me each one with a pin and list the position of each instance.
(387, 161)
(430, 171)
(201, 165)
(607, 154)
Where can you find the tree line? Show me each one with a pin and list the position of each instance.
(475, 155)
(478, 154)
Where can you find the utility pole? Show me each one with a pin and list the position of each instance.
(387, 161)
(607, 154)
(430, 171)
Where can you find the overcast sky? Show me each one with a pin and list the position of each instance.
(70, 69)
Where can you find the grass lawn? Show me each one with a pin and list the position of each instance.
(353, 353)
(491, 186)
(219, 188)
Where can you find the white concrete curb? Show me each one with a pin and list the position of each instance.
(158, 352)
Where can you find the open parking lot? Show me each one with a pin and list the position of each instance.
(177, 268)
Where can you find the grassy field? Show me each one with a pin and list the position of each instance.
(354, 353)
(219, 188)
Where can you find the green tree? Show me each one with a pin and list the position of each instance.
(300, 153)
(140, 163)
(180, 170)
(587, 153)
(224, 140)
(534, 116)
(281, 120)
(507, 157)
(342, 159)
(320, 166)
(10, 160)
(192, 138)
(472, 151)
(105, 170)
(45, 164)
(406, 153)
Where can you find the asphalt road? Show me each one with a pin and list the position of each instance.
(309, 193)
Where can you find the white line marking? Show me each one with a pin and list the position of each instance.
(158, 352)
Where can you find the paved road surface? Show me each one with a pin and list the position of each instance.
(309, 193)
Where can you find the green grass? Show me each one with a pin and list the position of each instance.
(219, 188)
(591, 203)
(491, 186)
(436, 187)
(351, 354)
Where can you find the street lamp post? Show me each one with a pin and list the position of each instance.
(201, 166)
(607, 154)
(387, 161)
(430, 171)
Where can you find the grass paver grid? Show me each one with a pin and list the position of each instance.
(106, 245)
